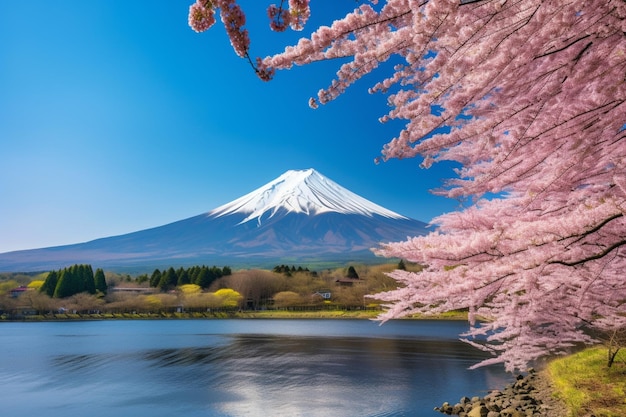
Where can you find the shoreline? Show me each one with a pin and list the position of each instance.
(264, 314)
(529, 395)
(541, 392)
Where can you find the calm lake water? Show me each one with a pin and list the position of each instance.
(215, 368)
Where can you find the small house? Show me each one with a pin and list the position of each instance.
(325, 294)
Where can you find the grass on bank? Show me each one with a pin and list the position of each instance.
(587, 386)
(235, 314)
(340, 314)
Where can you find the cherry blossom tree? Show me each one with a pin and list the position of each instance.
(528, 97)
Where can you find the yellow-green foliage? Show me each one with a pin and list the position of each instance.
(587, 386)
(7, 286)
(287, 299)
(153, 302)
(36, 284)
(41, 277)
(230, 298)
(190, 289)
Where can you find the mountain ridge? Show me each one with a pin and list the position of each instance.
(301, 216)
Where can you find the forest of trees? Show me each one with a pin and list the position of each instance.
(74, 280)
(202, 276)
(194, 289)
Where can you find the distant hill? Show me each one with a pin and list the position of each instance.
(300, 217)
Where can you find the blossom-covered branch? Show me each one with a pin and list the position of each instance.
(531, 102)
(202, 17)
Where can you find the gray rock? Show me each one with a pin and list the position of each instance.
(518, 399)
(480, 411)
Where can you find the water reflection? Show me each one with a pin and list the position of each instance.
(276, 375)
(222, 369)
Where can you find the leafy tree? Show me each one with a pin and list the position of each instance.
(142, 278)
(201, 301)
(190, 289)
(351, 297)
(35, 284)
(39, 301)
(255, 286)
(153, 302)
(229, 298)
(529, 98)
(7, 286)
(83, 303)
(168, 301)
(285, 299)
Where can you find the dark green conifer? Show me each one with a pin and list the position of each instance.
(352, 273)
(86, 274)
(183, 277)
(401, 265)
(169, 279)
(65, 284)
(202, 278)
(155, 278)
(50, 284)
(100, 281)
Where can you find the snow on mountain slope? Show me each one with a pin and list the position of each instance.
(301, 216)
(301, 191)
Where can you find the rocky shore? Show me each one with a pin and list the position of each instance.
(529, 396)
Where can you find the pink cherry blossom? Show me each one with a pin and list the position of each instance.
(279, 18)
(201, 15)
(533, 95)
(300, 12)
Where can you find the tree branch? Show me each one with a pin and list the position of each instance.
(592, 257)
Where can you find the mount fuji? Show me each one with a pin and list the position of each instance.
(300, 217)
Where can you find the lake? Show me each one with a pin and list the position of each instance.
(220, 368)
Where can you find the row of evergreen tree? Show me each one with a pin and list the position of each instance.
(74, 280)
(287, 270)
(199, 275)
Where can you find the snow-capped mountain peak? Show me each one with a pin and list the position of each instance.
(340, 227)
(301, 191)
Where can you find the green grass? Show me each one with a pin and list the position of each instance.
(265, 314)
(321, 314)
(587, 386)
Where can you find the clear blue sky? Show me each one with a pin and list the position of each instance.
(116, 117)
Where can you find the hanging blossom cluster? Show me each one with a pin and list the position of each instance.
(295, 17)
(531, 96)
(202, 17)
